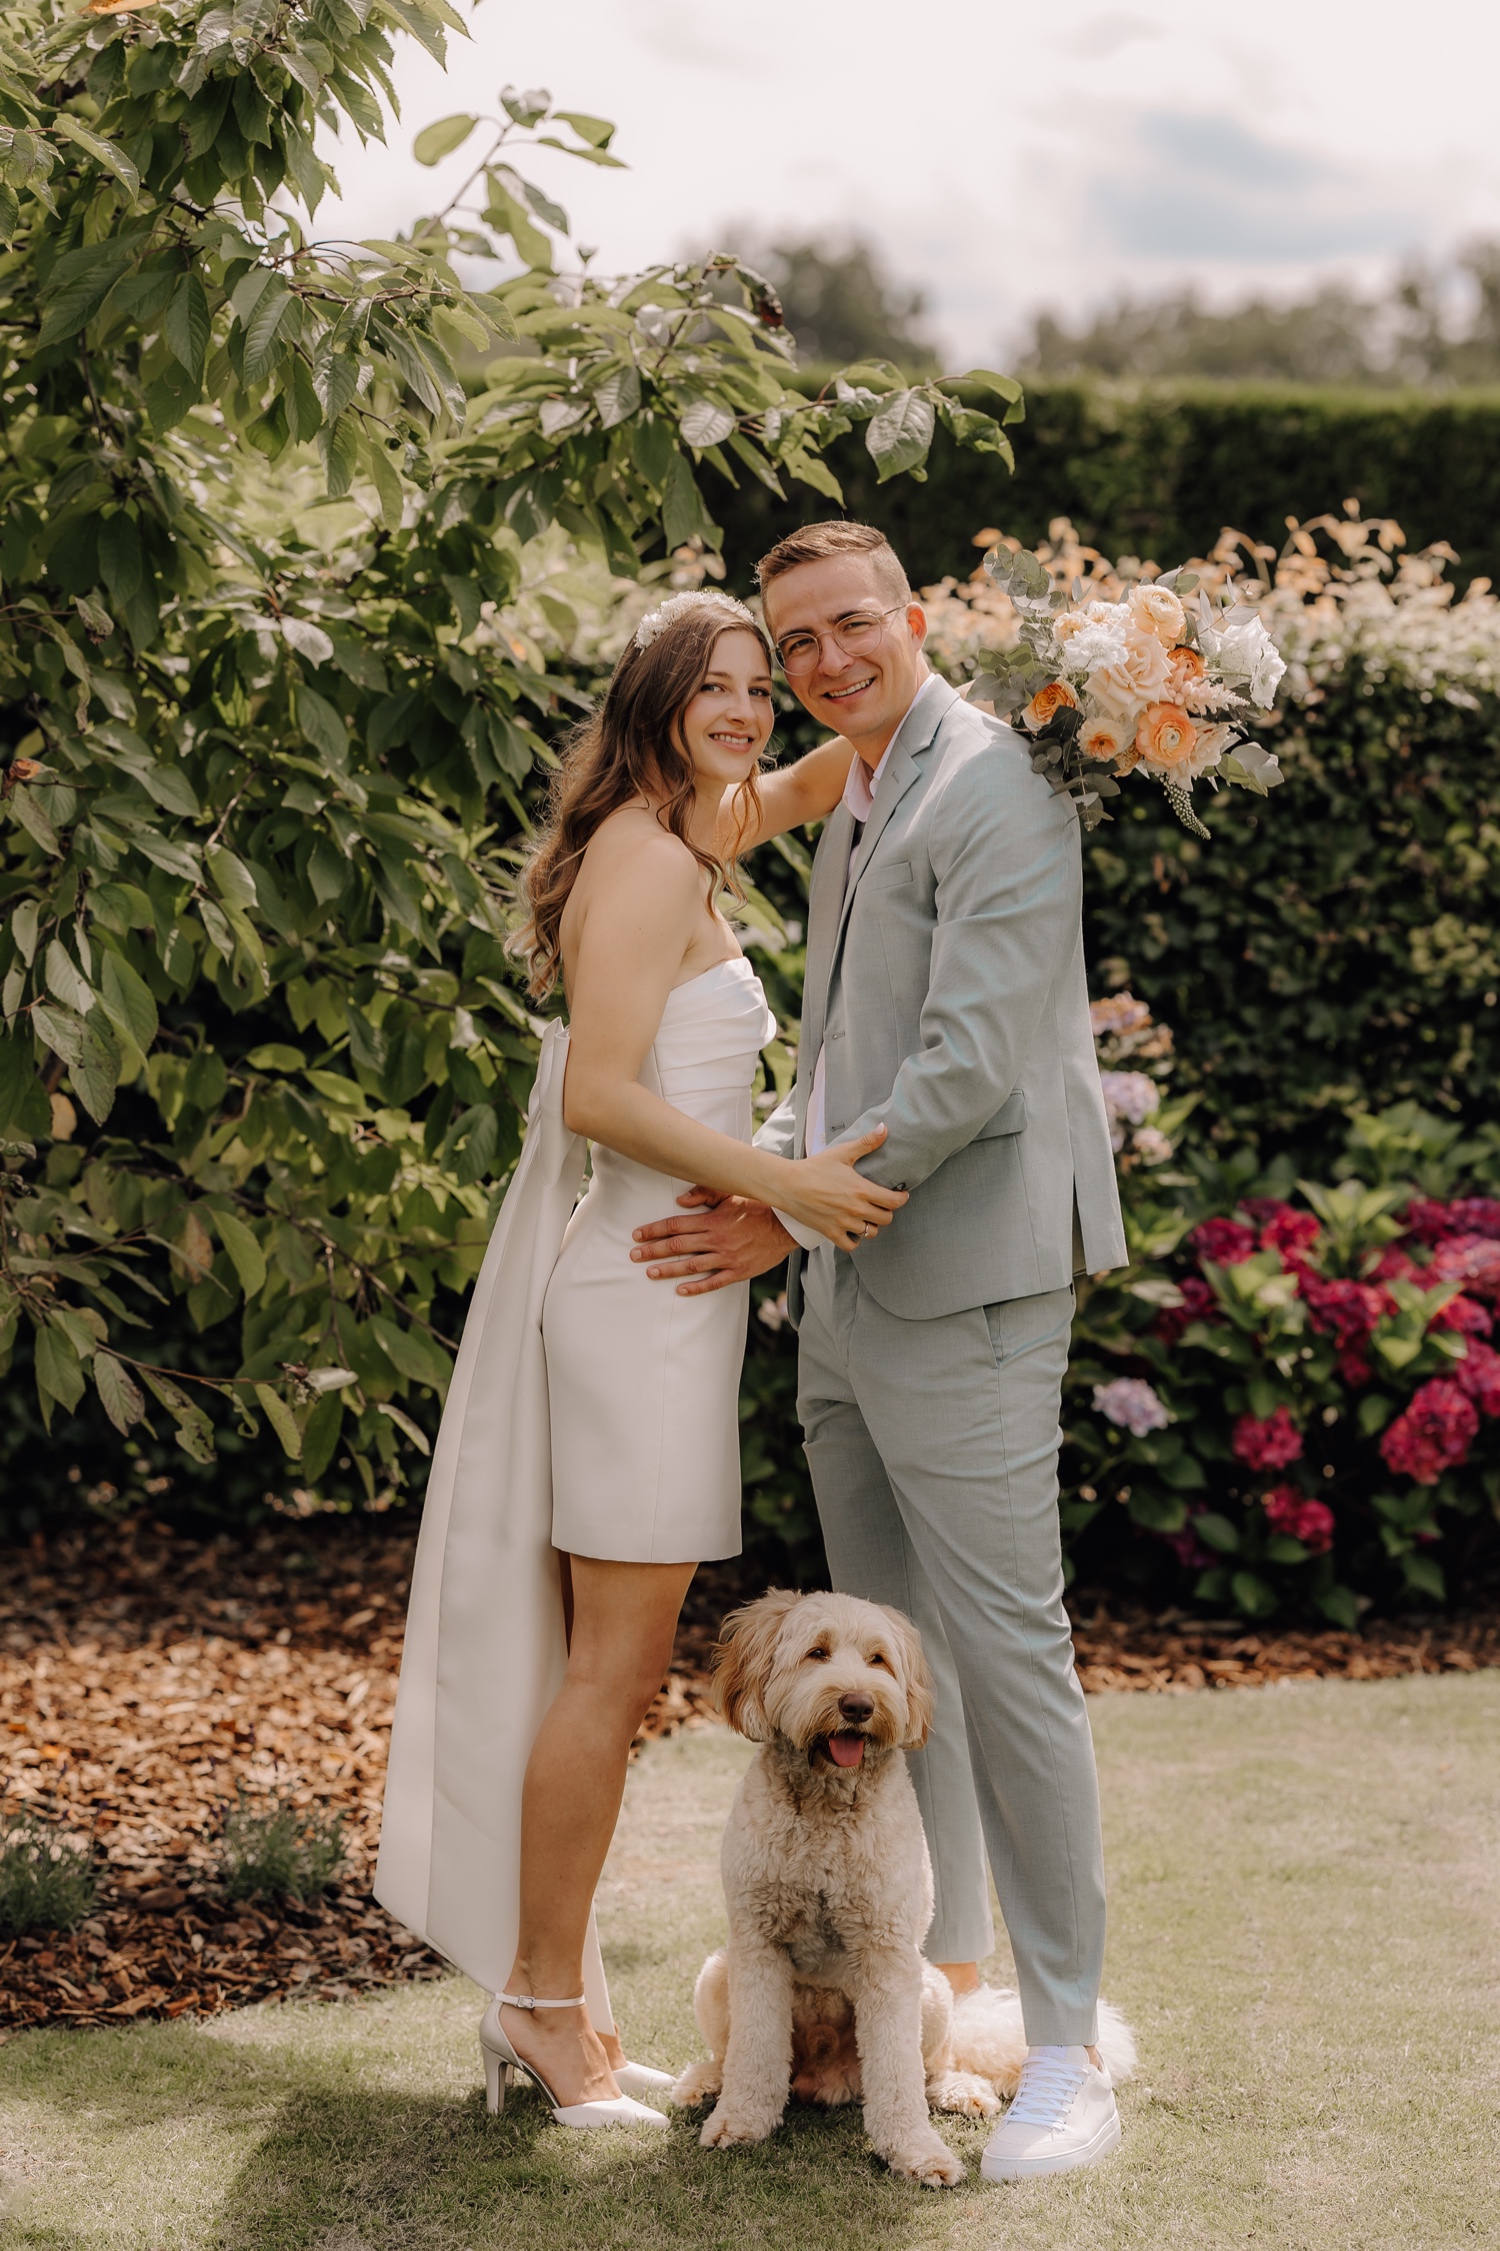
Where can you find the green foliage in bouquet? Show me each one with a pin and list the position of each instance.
(270, 742)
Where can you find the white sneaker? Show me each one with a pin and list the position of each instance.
(1063, 2115)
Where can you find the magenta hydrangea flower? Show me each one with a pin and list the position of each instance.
(1434, 1434)
(1198, 1304)
(1269, 1443)
(1478, 1376)
(1464, 1315)
(1290, 1233)
(1311, 1522)
(1473, 1260)
(1223, 1242)
(1346, 1311)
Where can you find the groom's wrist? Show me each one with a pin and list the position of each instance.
(805, 1238)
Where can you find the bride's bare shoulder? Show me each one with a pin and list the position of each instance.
(631, 849)
(634, 840)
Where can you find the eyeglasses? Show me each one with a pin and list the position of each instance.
(858, 635)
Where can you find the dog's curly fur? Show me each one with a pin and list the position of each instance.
(822, 1991)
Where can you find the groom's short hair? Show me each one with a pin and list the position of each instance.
(814, 543)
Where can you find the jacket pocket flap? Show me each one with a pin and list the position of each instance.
(888, 875)
(1009, 1118)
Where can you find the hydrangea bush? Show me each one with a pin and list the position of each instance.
(1289, 1402)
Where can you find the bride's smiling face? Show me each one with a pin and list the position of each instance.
(728, 723)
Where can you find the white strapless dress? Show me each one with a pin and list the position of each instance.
(590, 1411)
(644, 1384)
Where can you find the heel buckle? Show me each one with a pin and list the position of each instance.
(531, 2001)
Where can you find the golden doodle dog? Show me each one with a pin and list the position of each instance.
(822, 1991)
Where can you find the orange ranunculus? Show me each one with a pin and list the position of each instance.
(1165, 737)
(1187, 666)
(1046, 703)
(1109, 740)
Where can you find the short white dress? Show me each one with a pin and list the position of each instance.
(643, 1385)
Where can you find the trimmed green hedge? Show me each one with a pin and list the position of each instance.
(1160, 472)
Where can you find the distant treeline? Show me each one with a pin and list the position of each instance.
(1159, 471)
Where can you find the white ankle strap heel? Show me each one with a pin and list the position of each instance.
(501, 2062)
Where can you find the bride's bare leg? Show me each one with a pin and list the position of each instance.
(624, 1616)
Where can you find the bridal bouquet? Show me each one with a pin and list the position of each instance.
(1154, 682)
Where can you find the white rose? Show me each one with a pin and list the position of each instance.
(1244, 649)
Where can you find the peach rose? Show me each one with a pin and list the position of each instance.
(1133, 671)
(1165, 739)
(1109, 740)
(1055, 697)
(1157, 610)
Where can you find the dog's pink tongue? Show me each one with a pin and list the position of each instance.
(846, 1750)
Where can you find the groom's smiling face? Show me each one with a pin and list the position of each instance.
(862, 696)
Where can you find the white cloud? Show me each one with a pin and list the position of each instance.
(1005, 157)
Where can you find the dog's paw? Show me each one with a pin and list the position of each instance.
(697, 2084)
(726, 2129)
(929, 2161)
(964, 2093)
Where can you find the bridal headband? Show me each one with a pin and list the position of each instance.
(683, 605)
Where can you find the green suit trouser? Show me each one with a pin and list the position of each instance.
(933, 1450)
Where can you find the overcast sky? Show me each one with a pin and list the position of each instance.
(1013, 156)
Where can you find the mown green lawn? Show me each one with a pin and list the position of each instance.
(1306, 1888)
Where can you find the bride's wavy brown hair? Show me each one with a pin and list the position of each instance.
(631, 745)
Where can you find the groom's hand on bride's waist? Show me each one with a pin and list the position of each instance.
(712, 1241)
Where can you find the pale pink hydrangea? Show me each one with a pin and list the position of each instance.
(1131, 1404)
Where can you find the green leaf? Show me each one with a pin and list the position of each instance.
(103, 152)
(128, 1002)
(387, 483)
(1252, 1594)
(323, 727)
(77, 286)
(412, 1354)
(120, 557)
(274, 1055)
(1217, 1532)
(899, 435)
(618, 396)
(1424, 1576)
(597, 131)
(320, 1435)
(262, 327)
(682, 509)
(119, 1395)
(245, 1252)
(434, 142)
(59, 1373)
(705, 422)
(280, 1417)
(64, 980)
(508, 216)
(1338, 1604)
(187, 325)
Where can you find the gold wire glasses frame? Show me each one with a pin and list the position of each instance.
(857, 635)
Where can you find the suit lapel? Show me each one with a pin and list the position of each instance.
(825, 899)
(916, 735)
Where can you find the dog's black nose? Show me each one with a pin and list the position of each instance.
(856, 1708)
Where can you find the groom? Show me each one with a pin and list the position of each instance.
(945, 999)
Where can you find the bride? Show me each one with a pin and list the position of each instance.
(589, 1453)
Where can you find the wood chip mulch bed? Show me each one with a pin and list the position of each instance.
(146, 1677)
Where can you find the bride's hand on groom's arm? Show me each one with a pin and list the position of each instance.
(713, 1241)
(722, 1239)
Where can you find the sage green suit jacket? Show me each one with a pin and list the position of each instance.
(945, 981)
